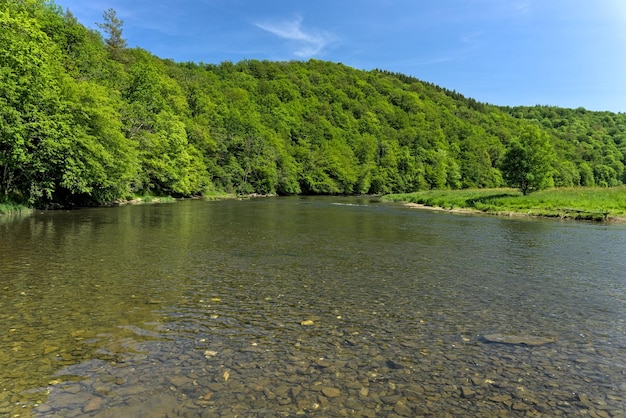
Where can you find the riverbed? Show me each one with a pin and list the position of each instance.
(321, 306)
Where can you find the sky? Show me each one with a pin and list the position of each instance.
(566, 53)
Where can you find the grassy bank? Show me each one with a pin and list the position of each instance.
(11, 208)
(598, 204)
(152, 199)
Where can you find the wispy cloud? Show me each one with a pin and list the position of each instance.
(307, 42)
(523, 6)
(471, 39)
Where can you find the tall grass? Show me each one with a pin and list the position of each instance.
(10, 208)
(217, 195)
(592, 203)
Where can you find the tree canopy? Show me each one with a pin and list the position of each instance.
(113, 27)
(85, 120)
(528, 163)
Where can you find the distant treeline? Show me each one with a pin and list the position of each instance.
(86, 120)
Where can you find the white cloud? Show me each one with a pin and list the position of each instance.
(308, 43)
(471, 38)
(523, 6)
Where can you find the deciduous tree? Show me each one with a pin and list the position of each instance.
(528, 162)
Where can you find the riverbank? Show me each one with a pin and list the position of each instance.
(11, 208)
(140, 200)
(591, 204)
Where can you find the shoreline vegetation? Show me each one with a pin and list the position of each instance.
(90, 121)
(13, 209)
(9, 208)
(598, 204)
(577, 203)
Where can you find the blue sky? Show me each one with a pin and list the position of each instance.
(568, 53)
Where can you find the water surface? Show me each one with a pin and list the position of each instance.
(317, 306)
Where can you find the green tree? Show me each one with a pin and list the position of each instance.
(102, 164)
(85, 119)
(34, 130)
(113, 27)
(528, 162)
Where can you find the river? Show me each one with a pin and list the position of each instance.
(321, 306)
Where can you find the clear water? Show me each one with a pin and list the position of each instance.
(308, 306)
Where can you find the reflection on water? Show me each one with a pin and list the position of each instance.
(317, 306)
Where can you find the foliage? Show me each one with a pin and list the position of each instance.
(528, 162)
(85, 120)
(113, 27)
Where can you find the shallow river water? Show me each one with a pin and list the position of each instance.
(309, 306)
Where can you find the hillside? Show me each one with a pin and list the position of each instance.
(86, 120)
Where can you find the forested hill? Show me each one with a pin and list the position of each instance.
(85, 120)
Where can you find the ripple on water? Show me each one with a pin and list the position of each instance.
(286, 307)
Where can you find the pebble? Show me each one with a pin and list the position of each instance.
(529, 340)
(467, 392)
(50, 349)
(520, 406)
(284, 367)
(402, 410)
(331, 392)
(505, 399)
(584, 399)
(94, 404)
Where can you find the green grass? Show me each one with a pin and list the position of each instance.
(590, 203)
(147, 198)
(209, 195)
(217, 195)
(11, 208)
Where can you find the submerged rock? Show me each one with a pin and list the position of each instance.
(530, 340)
(330, 392)
(467, 392)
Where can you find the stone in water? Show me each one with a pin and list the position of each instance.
(517, 339)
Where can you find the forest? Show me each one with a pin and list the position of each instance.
(86, 120)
